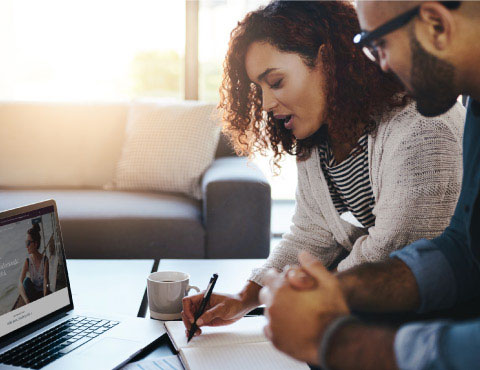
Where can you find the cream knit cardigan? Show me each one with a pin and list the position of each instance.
(415, 170)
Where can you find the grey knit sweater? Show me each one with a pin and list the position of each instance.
(415, 169)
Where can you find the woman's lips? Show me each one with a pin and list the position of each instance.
(289, 123)
(287, 120)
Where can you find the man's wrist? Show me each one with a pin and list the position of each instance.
(387, 286)
(326, 340)
(356, 345)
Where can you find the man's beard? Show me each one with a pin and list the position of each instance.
(431, 81)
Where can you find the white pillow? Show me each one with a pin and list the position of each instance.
(168, 146)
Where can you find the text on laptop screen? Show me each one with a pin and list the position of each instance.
(33, 282)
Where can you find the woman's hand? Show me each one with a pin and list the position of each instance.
(222, 309)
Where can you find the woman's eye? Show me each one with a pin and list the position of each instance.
(276, 84)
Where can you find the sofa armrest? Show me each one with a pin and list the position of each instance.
(236, 209)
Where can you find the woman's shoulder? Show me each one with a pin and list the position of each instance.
(408, 121)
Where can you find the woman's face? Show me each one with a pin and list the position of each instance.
(293, 92)
(31, 245)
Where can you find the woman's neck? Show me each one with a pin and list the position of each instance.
(341, 149)
(36, 254)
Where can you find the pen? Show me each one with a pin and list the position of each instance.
(201, 310)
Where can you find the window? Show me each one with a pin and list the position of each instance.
(91, 50)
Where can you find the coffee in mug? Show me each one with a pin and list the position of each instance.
(165, 290)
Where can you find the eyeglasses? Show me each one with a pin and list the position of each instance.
(28, 242)
(365, 39)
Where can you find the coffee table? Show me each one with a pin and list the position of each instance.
(232, 273)
(110, 286)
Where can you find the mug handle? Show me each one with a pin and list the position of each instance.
(190, 287)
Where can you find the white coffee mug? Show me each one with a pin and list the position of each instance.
(165, 290)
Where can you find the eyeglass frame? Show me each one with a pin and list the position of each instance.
(364, 39)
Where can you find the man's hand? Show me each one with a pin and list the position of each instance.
(298, 318)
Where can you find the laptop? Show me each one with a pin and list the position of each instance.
(39, 327)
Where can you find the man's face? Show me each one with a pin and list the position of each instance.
(432, 81)
(428, 79)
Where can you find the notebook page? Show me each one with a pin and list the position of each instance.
(246, 330)
(252, 356)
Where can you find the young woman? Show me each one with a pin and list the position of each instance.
(36, 285)
(294, 83)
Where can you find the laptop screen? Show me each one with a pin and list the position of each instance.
(33, 282)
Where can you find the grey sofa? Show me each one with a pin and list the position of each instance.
(231, 221)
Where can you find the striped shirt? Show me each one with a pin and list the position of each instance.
(349, 182)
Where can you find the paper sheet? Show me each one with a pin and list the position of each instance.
(252, 356)
(164, 363)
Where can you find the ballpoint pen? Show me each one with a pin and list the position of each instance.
(203, 305)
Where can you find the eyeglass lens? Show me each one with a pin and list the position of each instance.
(371, 52)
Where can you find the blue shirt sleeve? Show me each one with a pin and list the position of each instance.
(446, 271)
(434, 276)
(438, 345)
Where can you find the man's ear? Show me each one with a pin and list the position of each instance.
(436, 26)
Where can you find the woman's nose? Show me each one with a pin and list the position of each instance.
(268, 102)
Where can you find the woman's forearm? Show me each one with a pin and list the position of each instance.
(46, 282)
(23, 294)
(249, 295)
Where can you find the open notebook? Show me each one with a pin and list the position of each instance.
(241, 345)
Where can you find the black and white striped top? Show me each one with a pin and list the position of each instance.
(349, 183)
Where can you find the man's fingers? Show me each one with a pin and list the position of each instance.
(300, 280)
(267, 331)
(265, 296)
(270, 278)
(315, 268)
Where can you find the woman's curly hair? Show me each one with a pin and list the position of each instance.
(357, 89)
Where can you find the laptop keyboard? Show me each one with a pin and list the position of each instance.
(56, 342)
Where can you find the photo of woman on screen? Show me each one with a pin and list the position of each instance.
(36, 284)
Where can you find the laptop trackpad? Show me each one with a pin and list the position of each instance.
(108, 352)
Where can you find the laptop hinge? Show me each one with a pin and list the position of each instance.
(32, 329)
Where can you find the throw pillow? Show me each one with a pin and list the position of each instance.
(168, 147)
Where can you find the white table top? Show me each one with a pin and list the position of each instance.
(109, 286)
(232, 273)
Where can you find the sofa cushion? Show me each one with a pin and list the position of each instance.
(114, 224)
(60, 144)
(168, 147)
